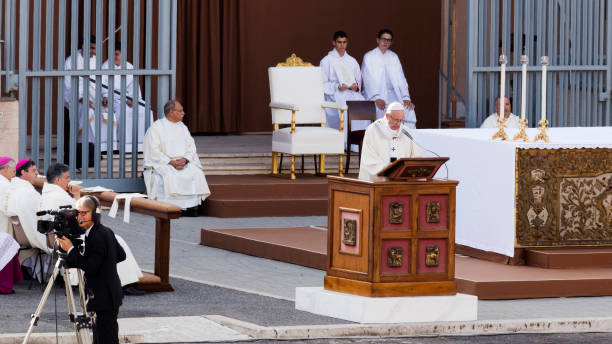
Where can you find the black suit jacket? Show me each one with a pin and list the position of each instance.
(102, 253)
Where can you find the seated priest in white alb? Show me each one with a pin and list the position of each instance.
(7, 172)
(341, 82)
(385, 141)
(58, 192)
(132, 102)
(510, 120)
(384, 80)
(173, 172)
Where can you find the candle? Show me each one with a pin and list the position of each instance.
(524, 61)
(502, 87)
(544, 62)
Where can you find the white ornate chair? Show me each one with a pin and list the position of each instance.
(297, 100)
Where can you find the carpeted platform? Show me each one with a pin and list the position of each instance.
(488, 280)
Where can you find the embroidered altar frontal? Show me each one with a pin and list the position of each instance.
(564, 197)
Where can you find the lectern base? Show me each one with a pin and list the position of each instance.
(377, 310)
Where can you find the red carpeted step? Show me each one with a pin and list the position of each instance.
(569, 258)
(265, 207)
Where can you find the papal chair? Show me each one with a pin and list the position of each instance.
(298, 114)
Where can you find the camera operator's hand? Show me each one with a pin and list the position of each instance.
(64, 242)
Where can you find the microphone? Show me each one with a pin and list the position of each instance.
(405, 132)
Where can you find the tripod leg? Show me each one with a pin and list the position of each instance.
(82, 323)
(41, 304)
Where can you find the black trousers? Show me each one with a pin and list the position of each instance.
(105, 327)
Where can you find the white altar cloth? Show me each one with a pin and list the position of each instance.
(485, 169)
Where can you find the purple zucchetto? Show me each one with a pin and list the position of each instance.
(4, 160)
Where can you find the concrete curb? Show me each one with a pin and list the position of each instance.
(484, 327)
(62, 338)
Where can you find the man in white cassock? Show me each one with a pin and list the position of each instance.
(384, 80)
(510, 120)
(132, 102)
(386, 140)
(57, 192)
(173, 172)
(341, 82)
(84, 82)
(7, 172)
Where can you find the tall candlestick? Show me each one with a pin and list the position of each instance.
(544, 62)
(524, 61)
(502, 87)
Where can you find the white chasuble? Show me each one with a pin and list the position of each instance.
(380, 144)
(491, 122)
(5, 224)
(383, 78)
(164, 141)
(23, 202)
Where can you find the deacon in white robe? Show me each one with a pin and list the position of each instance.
(169, 150)
(82, 83)
(384, 80)
(7, 172)
(341, 82)
(54, 195)
(132, 102)
(386, 140)
(510, 120)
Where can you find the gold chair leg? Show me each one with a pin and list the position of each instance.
(292, 167)
(322, 164)
(274, 163)
(340, 172)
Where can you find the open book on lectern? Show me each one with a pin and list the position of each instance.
(411, 169)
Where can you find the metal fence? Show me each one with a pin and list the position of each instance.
(55, 127)
(574, 34)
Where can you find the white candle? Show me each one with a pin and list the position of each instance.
(524, 61)
(502, 86)
(544, 61)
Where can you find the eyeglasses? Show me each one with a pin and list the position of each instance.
(395, 120)
(83, 212)
(386, 40)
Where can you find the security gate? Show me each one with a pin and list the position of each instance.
(574, 34)
(51, 123)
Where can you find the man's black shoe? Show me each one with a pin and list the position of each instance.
(189, 212)
(132, 290)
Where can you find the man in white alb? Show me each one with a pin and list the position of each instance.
(341, 82)
(386, 140)
(173, 172)
(7, 172)
(131, 101)
(510, 120)
(384, 80)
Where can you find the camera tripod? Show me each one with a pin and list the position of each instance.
(82, 322)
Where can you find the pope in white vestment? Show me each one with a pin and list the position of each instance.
(7, 172)
(386, 140)
(85, 82)
(510, 120)
(53, 196)
(131, 106)
(383, 79)
(176, 176)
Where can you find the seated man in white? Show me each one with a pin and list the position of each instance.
(176, 176)
(341, 82)
(384, 80)
(57, 192)
(7, 172)
(386, 140)
(131, 101)
(510, 120)
(86, 82)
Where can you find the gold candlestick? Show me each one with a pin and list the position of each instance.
(542, 135)
(522, 134)
(501, 134)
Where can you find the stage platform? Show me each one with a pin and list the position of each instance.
(488, 280)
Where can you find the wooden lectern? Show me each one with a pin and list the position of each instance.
(392, 238)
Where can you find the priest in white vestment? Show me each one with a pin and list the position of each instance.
(384, 80)
(55, 194)
(341, 82)
(7, 172)
(386, 140)
(173, 172)
(82, 83)
(510, 120)
(132, 102)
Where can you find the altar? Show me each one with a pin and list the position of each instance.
(524, 194)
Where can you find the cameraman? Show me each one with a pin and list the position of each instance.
(102, 252)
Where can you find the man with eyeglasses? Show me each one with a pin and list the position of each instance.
(386, 140)
(384, 80)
